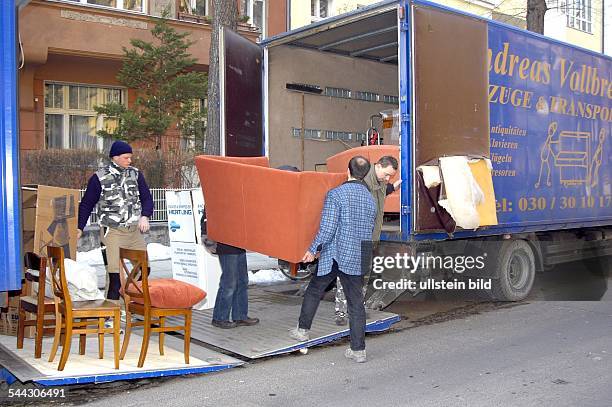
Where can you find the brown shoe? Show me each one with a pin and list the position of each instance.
(247, 322)
(223, 324)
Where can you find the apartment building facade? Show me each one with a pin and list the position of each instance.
(72, 49)
(71, 52)
(585, 23)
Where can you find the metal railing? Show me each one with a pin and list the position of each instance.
(159, 205)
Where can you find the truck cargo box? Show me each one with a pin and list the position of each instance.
(539, 109)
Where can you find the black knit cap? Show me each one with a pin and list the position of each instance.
(119, 147)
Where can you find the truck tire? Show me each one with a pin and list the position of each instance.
(515, 271)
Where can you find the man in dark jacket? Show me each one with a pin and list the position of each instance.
(232, 297)
(124, 206)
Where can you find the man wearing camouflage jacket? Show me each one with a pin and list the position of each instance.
(124, 207)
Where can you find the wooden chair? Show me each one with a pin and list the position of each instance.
(76, 317)
(138, 301)
(35, 272)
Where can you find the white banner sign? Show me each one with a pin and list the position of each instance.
(180, 216)
(197, 198)
(191, 263)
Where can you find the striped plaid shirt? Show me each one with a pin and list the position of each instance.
(347, 220)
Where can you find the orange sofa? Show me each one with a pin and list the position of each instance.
(339, 163)
(263, 209)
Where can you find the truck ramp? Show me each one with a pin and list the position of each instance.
(277, 313)
(20, 363)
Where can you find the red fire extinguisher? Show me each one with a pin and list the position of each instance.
(373, 137)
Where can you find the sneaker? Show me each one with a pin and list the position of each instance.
(299, 334)
(247, 322)
(358, 356)
(223, 324)
(123, 316)
(340, 319)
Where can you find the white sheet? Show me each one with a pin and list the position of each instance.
(463, 193)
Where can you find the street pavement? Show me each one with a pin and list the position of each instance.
(458, 352)
(530, 354)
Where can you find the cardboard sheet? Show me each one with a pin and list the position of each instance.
(486, 210)
(50, 218)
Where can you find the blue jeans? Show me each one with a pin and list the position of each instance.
(232, 295)
(354, 297)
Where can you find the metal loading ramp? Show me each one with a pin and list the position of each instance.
(20, 363)
(277, 313)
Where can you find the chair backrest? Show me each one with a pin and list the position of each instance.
(130, 284)
(55, 259)
(35, 272)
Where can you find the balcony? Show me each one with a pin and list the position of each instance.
(80, 28)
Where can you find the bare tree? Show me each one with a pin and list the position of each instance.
(225, 14)
(535, 15)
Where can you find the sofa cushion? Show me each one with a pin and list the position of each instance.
(170, 293)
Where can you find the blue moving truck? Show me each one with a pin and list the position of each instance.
(539, 109)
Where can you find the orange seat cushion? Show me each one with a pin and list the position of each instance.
(170, 293)
(262, 209)
(339, 163)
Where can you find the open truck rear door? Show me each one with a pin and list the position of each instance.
(240, 79)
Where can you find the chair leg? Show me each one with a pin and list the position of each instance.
(82, 340)
(145, 339)
(162, 321)
(101, 338)
(56, 336)
(20, 328)
(116, 338)
(67, 343)
(128, 332)
(187, 337)
(40, 321)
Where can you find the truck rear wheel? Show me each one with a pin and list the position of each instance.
(515, 271)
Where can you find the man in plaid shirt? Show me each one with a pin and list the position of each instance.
(347, 220)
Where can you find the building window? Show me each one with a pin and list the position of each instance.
(320, 9)
(579, 14)
(194, 127)
(195, 7)
(132, 5)
(254, 10)
(338, 92)
(367, 96)
(70, 118)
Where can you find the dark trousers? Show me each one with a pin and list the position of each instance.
(354, 297)
(232, 296)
